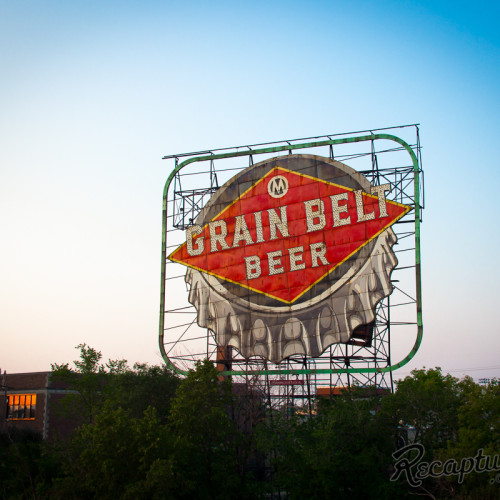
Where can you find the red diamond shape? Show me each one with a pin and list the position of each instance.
(290, 279)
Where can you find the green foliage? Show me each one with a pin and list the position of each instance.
(147, 434)
(88, 382)
(479, 428)
(113, 457)
(26, 466)
(152, 437)
(94, 383)
(428, 401)
(343, 452)
(144, 386)
(89, 360)
(479, 417)
(204, 452)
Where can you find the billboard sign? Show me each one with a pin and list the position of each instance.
(290, 256)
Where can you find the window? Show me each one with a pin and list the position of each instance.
(21, 406)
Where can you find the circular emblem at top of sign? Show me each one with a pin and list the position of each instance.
(277, 187)
(290, 256)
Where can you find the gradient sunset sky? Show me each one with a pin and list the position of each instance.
(94, 93)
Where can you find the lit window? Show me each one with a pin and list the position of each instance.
(21, 406)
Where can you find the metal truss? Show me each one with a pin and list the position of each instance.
(189, 202)
(366, 360)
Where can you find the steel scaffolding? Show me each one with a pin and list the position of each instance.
(367, 359)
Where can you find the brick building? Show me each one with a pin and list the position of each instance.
(28, 401)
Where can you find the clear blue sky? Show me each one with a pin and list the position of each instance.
(94, 93)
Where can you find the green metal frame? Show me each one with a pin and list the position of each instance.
(290, 147)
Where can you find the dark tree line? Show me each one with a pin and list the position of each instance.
(145, 433)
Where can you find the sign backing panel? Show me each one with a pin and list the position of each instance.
(402, 178)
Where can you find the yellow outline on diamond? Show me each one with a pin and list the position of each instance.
(407, 208)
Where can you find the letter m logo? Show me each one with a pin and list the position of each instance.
(277, 187)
